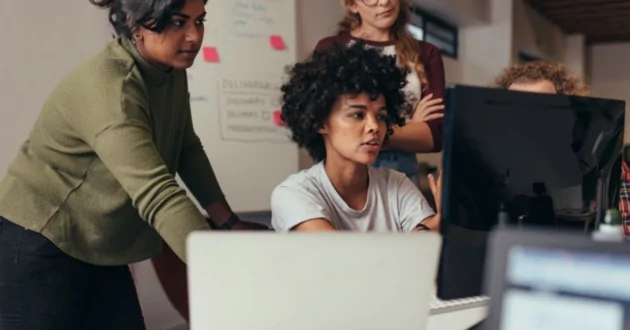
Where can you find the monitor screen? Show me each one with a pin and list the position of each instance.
(561, 289)
(521, 159)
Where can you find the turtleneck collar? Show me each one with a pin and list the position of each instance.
(152, 74)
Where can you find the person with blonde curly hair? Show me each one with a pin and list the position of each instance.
(554, 78)
(383, 24)
(541, 77)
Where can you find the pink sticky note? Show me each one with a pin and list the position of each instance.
(276, 118)
(210, 54)
(277, 42)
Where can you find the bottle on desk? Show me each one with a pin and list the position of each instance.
(611, 229)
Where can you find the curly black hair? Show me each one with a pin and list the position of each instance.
(315, 84)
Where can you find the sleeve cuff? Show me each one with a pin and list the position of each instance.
(286, 226)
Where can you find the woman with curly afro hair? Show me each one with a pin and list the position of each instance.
(340, 105)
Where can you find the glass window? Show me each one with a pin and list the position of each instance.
(445, 46)
(441, 34)
(416, 31)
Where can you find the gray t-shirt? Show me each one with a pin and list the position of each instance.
(394, 203)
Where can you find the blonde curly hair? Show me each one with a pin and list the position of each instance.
(563, 81)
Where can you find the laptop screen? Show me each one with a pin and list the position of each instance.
(560, 289)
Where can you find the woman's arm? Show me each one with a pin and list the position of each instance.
(431, 223)
(416, 214)
(198, 175)
(294, 207)
(413, 137)
(117, 128)
(314, 225)
(423, 137)
(171, 271)
(434, 222)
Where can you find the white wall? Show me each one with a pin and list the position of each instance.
(463, 12)
(37, 38)
(610, 74)
(485, 50)
(491, 27)
(575, 55)
(535, 35)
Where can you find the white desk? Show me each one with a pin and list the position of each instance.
(457, 320)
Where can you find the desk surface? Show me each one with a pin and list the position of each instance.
(457, 320)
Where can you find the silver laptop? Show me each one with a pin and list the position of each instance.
(310, 281)
(541, 280)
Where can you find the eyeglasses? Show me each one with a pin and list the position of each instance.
(370, 3)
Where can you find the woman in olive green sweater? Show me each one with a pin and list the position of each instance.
(93, 188)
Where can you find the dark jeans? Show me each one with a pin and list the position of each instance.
(42, 288)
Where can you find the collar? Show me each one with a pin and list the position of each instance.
(348, 36)
(150, 73)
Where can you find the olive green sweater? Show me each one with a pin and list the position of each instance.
(96, 175)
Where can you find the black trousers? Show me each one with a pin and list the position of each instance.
(42, 288)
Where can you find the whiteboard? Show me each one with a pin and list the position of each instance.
(235, 97)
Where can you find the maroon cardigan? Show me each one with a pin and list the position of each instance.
(430, 57)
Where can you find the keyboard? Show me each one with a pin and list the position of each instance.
(438, 306)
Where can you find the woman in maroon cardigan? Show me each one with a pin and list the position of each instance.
(383, 24)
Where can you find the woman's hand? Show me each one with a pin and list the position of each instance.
(436, 190)
(428, 109)
(242, 225)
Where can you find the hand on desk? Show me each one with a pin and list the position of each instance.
(242, 225)
(436, 189)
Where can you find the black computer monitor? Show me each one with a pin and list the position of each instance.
(522, 160)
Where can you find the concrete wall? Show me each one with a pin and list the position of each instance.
(610, 74)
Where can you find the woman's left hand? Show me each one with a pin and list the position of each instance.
(436, 190)
(241, 225)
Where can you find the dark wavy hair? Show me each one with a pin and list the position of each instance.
(315, 84)
(126, 16)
